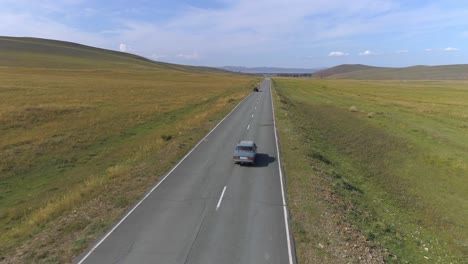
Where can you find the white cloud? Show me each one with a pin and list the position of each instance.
(367, 53)
(157, 56)
(401, 51)
(338, 54)
(30, 25)
(450, 49)
(189, 56)
(123, 47)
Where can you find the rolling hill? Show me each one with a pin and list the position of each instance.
(45, 53)
(345, 68)
(363, 72)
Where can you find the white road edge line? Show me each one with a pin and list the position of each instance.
(220, 198)
(156, 186)
(248, 127)
(285, 210)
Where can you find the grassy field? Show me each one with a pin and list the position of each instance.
(377, 170)
(79, 144)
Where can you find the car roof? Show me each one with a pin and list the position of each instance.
(248, 143)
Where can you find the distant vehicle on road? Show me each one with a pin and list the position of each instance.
(245, 152)
(255, 89)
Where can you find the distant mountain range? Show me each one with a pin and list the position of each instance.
(363, 72)
(269, 70)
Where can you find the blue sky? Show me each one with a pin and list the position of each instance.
(292, 33)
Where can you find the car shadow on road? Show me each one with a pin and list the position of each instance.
(263, 160)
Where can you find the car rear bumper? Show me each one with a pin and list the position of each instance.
(243, 161)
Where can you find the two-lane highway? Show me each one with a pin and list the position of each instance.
(207, 209)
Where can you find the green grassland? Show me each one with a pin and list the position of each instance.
(385, 161)
(84, 132)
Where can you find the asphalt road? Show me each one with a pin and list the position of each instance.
(207, 209)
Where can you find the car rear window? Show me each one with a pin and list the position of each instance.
(244, 149)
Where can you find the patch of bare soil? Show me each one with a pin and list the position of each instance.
(329, 237)
(350, 244)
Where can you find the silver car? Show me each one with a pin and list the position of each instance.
(245, 152)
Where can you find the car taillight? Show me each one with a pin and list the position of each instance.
(236, 157)
(250, 158)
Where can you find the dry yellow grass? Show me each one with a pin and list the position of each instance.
(71, 136)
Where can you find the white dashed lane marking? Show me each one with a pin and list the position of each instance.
(220, 198)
